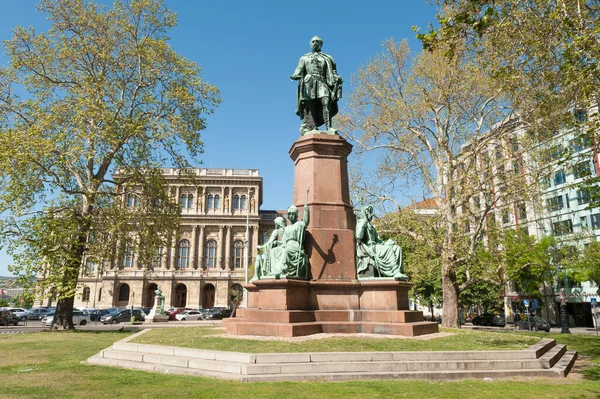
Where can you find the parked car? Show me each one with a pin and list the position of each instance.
(189, 315)
(216, 313)
(121, 316)
(535, 323)
(79, 318)
(7, 318)
(175, 312)
(19, 312)
(39, 313)
(146, 310)
(98, 313)
(489, 319)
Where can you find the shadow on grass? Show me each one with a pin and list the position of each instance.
(123, 330)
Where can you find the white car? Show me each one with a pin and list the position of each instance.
(189, 315)
(79, 317)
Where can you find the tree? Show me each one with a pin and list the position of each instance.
(105, 101)
(443, 124)
(587, 266)
(546, 52)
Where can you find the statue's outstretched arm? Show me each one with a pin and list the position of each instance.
(306, 217)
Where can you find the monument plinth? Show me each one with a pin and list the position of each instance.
(333, 299)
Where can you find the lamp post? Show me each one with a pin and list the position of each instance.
(564, 321)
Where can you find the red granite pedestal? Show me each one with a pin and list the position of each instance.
(333, 300)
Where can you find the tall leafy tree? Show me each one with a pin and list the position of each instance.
(88, 110)
(441, 124)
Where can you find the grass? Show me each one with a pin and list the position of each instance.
(207, 338)
(49, 365)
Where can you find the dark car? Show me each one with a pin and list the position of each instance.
(216, 314)
(489, 319)
(98, 313)
(122, 316)
(7, 318)
(535, 323)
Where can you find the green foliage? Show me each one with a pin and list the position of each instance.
(106, 101)
(586, 267)
(4, 303)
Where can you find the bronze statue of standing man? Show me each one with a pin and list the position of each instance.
(319, 88)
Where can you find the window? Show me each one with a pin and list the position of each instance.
(555, 203)
(522, 211)
(580, 115)
(127, 261)
(582, 169)
(211, 254)
(217, 201)
(243, 202)
(583, 197)
(505, 216)
(476, 202)
(553, 153)
(183, 254)
(559, 177)
(581, 143)
(90, 266)
(133, 201)
(187, 201)
(583, 220)
(157, 259)
(86, 294)
(236, 202)
(237, 253)
(124, 293)
(596, 221)
(563, 227)
(210, 201)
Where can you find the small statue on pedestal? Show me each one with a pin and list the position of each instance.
(263, 266)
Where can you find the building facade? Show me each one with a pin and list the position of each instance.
(220, 221)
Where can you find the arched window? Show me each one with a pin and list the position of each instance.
(236, 202)
(237, 253)
(90, 266)
(186, 201)
(86, 294)
(243, 202)
(132, 200)
(127, 261)
(123, 293)
(211, 254)
(217, 201)
(210, 201)
(183, 254)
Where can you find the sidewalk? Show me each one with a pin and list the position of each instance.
(553, 330)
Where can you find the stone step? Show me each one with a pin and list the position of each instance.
(544, 359)
(303, 316)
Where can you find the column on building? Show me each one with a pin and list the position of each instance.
(222, 205)
(220, 264)
(173, 252)
(164, 258)
(178, 195)
(201, 248)
(200, 200)
(193, 247)
(228, 248)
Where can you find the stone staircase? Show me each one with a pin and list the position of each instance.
(544, 359)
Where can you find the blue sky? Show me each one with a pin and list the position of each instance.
(248, 49)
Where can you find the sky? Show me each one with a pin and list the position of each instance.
(248, 49)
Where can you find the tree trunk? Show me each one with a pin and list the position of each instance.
(450, 316)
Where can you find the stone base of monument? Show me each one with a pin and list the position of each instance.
(154, 317)
(291, 308)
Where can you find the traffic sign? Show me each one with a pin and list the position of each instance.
(526, 302)
(593, 301)
(535, 303)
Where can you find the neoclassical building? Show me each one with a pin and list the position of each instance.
(220, 213)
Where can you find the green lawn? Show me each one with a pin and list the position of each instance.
(206, 338)
(49, 365)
